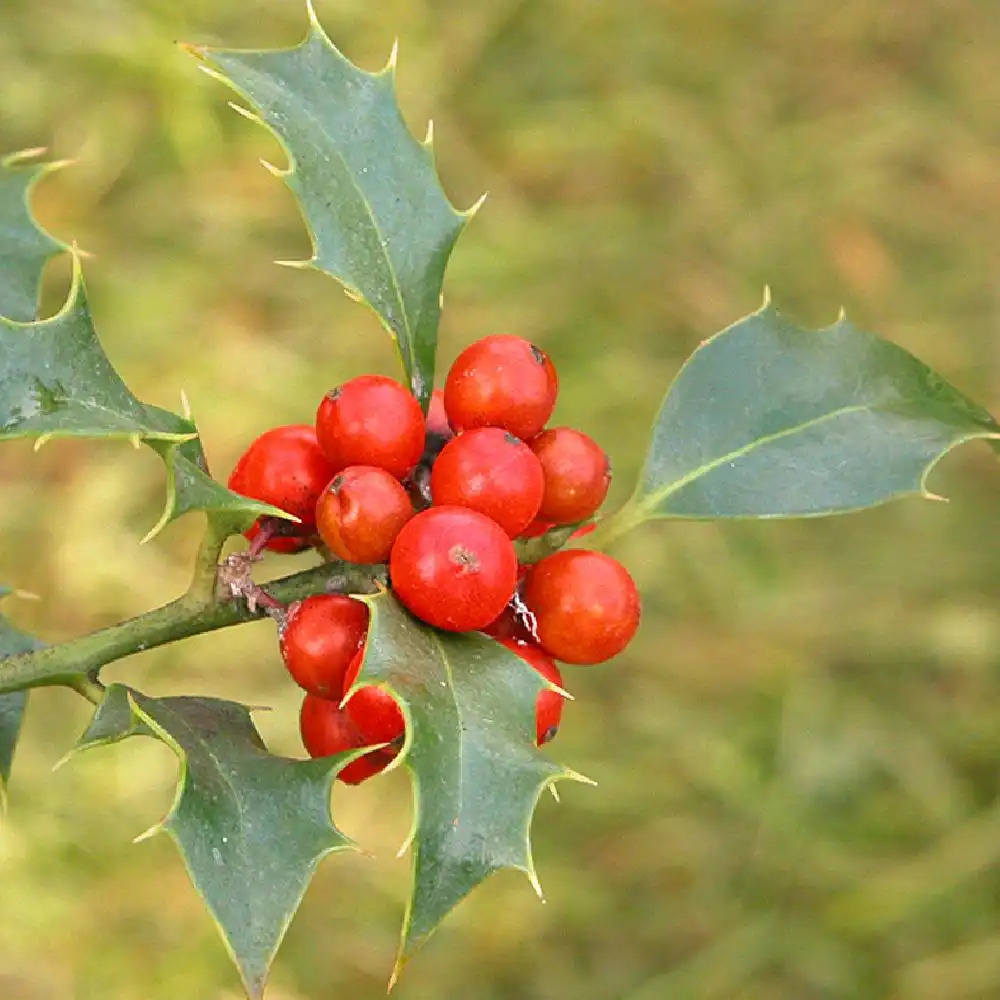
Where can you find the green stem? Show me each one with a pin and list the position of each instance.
(610, 529)
(90, 687)
(76, 662)
(206, 564)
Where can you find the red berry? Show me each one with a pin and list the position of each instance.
(501, 381)
(360, 513)
(320, 638)
(454, 568)
(375, 713)
(549, 706)
(585, 604)
(284, 467)
(326, 729)
(489, 470)
(371, 420)
(577, 474)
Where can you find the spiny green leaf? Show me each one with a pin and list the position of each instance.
(251, 827)
(56, 381)
(769, 420)
(11, 705)
(369, 192)
(477, 774)
(190, 487)
(25, 247)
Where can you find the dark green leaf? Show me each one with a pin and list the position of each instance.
(250, 826)
(56, 381)
(25, 247)
(190, 487)
(369, 192)
(477, 774)
(11, 705)
(768, 420)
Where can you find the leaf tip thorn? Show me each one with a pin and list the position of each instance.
(474, 208)
(198, 51)
(64, 758)
(299, 265)
(41, 441)
(535, 884)
(245, 112)
(155, 829)
(936, 497)
(272, 169)
(390, 65)
(576, 776)
(767, 297)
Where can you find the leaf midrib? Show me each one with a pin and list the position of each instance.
(656, 498)
(345, 167)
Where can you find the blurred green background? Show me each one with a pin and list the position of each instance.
(797, 758)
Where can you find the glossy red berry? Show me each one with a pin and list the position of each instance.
(585, 604)
(501, 381)
(360, 513)
(284, 467)
(371, 420)
(577, 474)
(453, 568)
(326, 729)
(375, 713)
(320, 638)
(549, 705)
(489, 470)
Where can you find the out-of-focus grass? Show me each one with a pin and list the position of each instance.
(798, 756)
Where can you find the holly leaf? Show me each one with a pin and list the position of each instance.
(190, 487)
(25, 247)
(251, 827)
(57, 381)
(469, 705)
(369, 193)
(11, 705)
(769, 420)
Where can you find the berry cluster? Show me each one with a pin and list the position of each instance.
(441, 501)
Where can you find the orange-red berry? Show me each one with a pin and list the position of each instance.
(326, 729)
(453, 568)
(577, 474)
(285, 467)
(501, 381)
(320, 638)
(360, 513)
(371, 420)
(489, 470)
(585, 604)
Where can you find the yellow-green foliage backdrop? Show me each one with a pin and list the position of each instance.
(798, 757)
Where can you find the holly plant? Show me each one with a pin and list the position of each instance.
(461, 538)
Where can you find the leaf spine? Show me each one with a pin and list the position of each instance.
(245, 112)
(473, 210)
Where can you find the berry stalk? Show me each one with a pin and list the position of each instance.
(75, 663)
